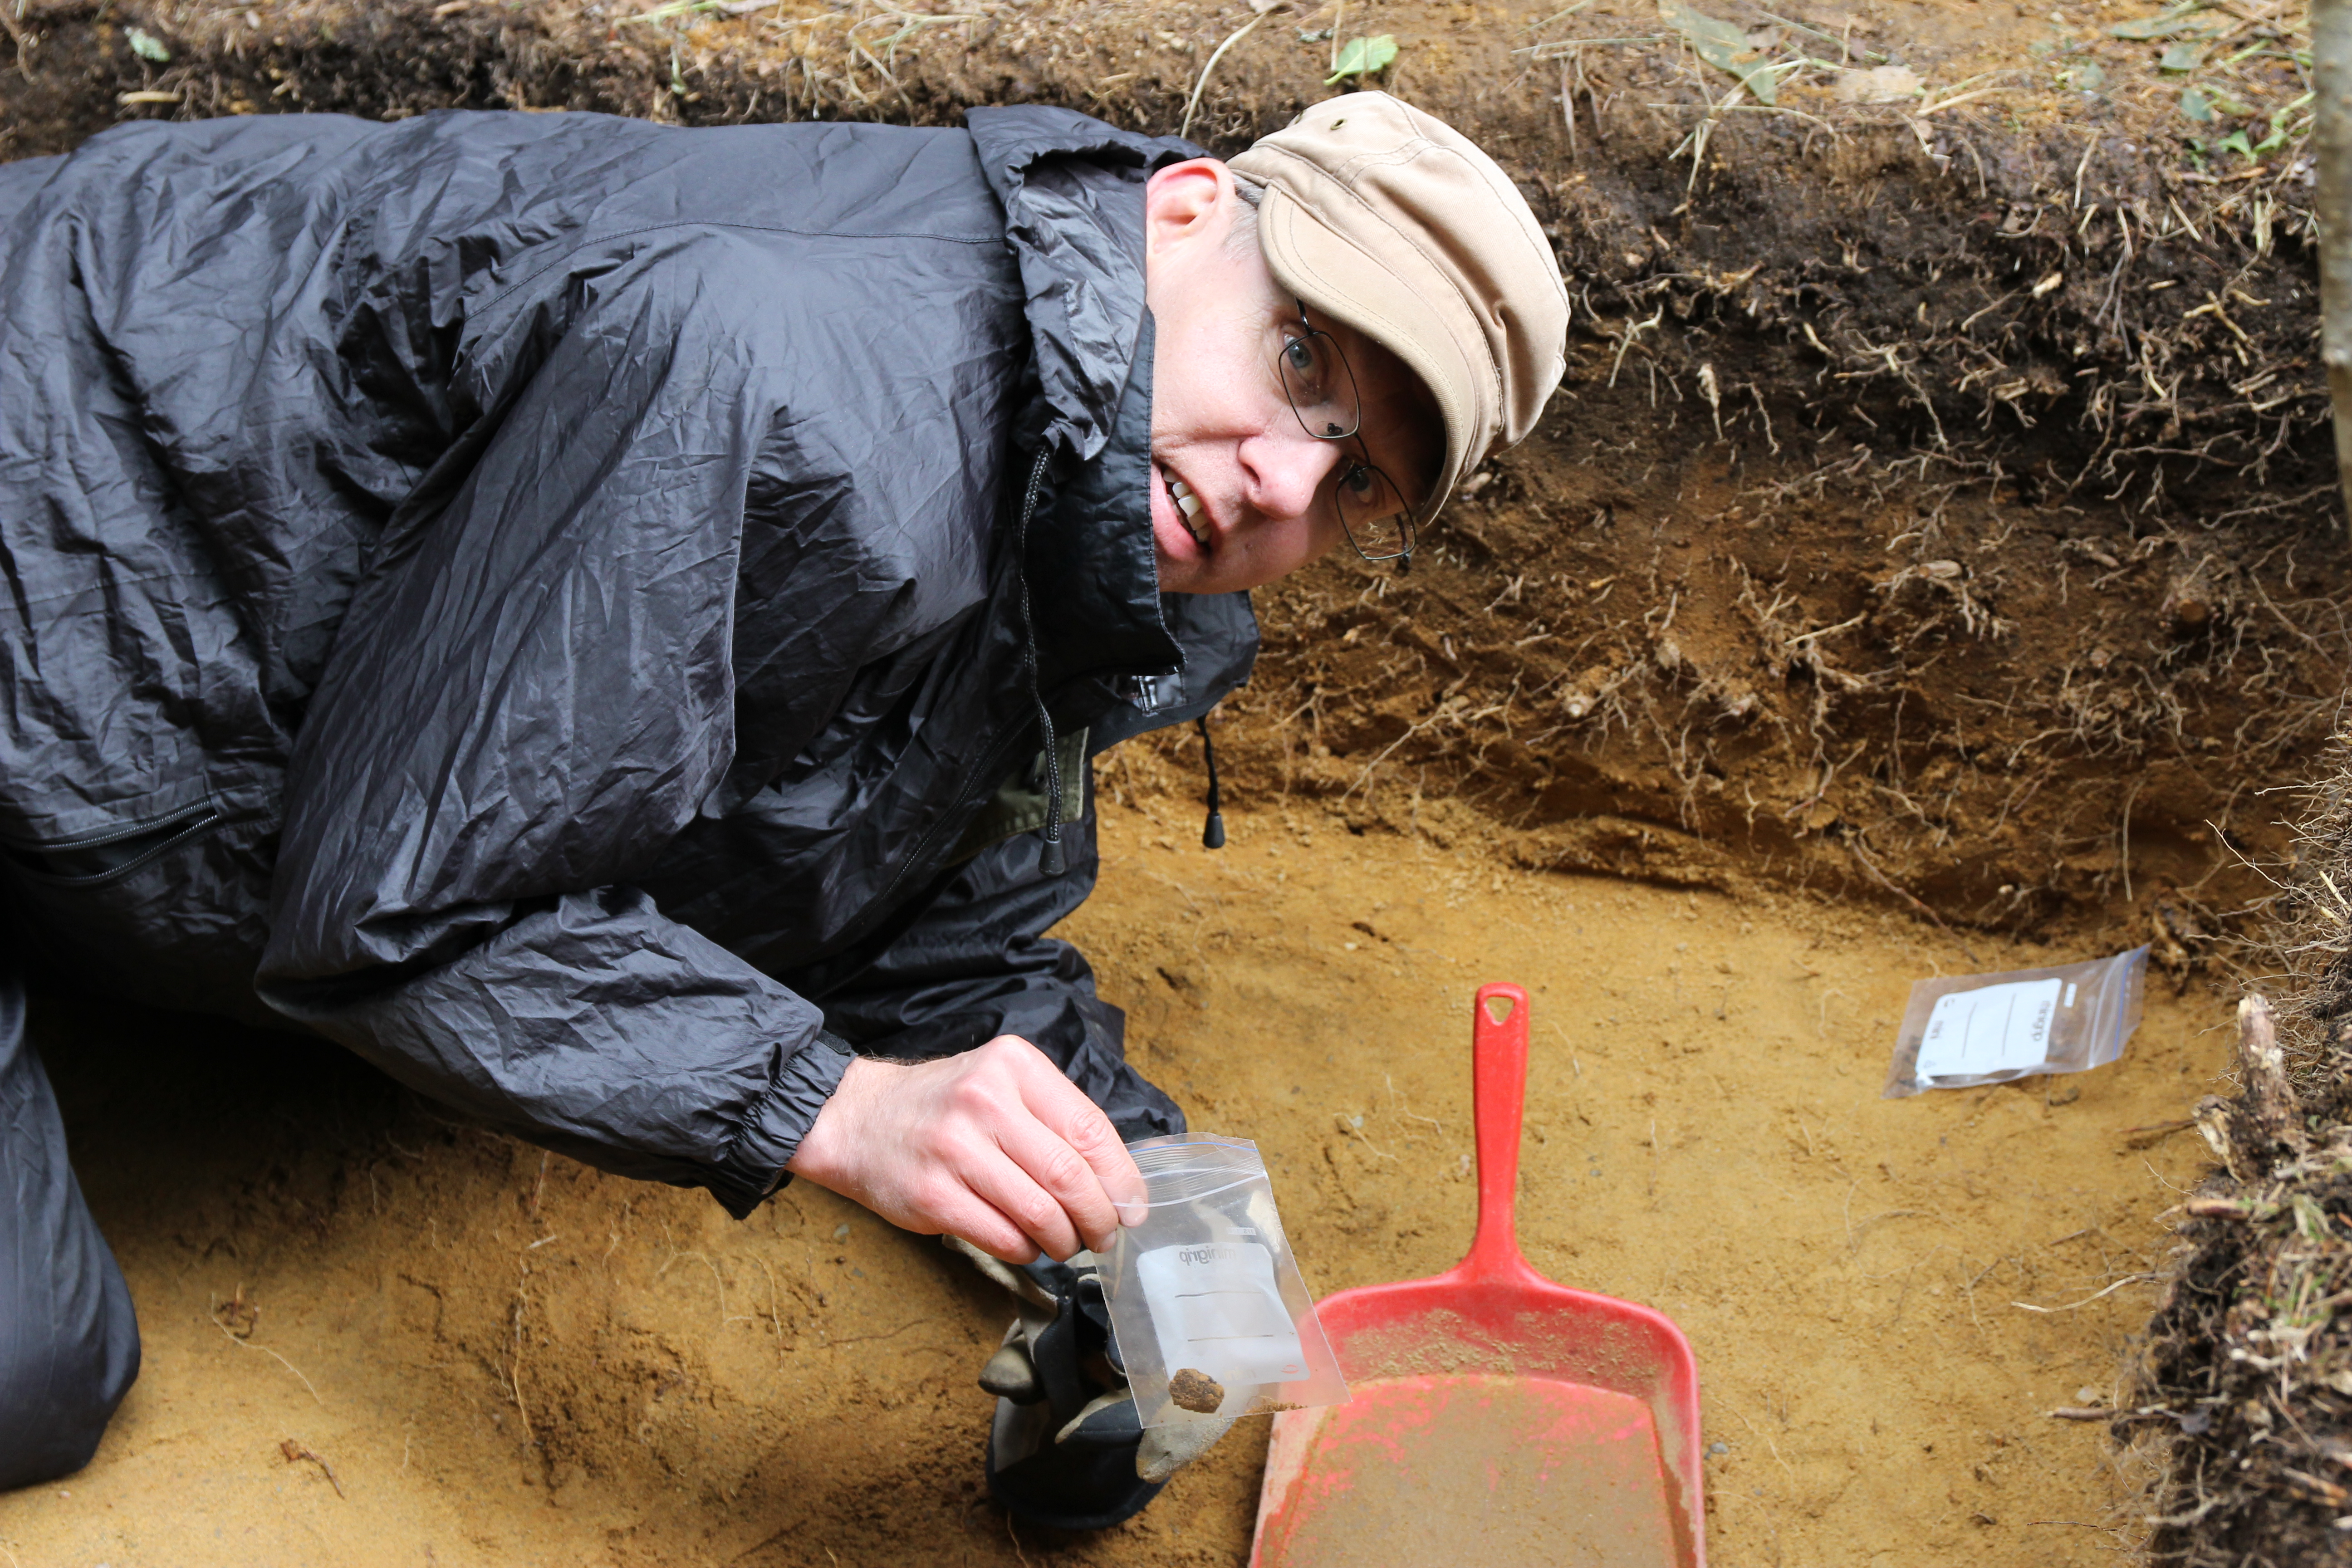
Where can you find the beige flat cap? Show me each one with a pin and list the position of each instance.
(1392, 221)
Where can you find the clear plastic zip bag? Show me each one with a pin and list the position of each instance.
(1964, 1029)
(1211, 1317)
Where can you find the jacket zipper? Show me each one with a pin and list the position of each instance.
(180, 828)
(107, 836)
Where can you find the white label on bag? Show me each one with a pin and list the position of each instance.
(1998, 1028)
(1215, 1308)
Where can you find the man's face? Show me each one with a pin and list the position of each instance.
(1222, 432)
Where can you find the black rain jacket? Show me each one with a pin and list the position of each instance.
(539, 599)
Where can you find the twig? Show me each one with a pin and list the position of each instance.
(295, 1453)
(265, 1350)
(1556, 15)
(1557, 47)
(2126, 1280)
(1236, 37)
(24, 68)
(1908, 897)
(891, 1334)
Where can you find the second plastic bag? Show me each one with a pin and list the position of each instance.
(1964, 1029)
(1212, 1316)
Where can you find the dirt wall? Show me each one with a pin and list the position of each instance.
(1937, 514)
(1938, 510)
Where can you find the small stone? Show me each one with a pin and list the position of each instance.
(1196, 1391)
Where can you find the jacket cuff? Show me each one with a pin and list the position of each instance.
(752, 1168)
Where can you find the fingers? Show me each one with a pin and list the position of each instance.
(1071, 1149)
(1086, 1130)
(1000, 1181)
(1051, 1191)
(995, 1146)
(980, 1223)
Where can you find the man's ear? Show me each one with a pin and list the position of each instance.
(1187, 202)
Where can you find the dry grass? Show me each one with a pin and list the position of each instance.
(2245, 1389)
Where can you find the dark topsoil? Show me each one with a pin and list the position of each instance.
(1938, 510)
(2246, 1377)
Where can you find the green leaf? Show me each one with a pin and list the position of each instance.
(2196, 106)
(147, 46)
(2181, 56)
(1723, 45)
(2287, 111)
(1362, 57)
(2172, 24)
(2235, 142)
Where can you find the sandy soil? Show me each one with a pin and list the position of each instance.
(478, 1354)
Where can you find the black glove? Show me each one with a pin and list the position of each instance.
(1066, 1450)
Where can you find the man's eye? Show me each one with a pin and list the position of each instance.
(1360, 484)
(1299, 354)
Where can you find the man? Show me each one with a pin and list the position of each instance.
(609, 623)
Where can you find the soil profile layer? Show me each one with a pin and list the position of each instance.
(1940, 506)
(506, 1357)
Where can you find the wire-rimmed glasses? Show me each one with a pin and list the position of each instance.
(1320, 387)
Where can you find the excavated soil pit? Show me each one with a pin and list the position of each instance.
(1938, 520)
(507, 1358)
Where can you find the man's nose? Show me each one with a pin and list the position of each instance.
(1288, 470)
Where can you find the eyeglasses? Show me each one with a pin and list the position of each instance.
(1321, 390)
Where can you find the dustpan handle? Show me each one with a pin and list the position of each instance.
(1499, 1091)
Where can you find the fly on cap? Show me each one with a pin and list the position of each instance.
(1395, 224)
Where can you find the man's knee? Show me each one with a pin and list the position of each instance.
(68, 1353)
(69, 1339)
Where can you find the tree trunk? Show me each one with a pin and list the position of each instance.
(2331, 49)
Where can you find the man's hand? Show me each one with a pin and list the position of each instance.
(994, 1145)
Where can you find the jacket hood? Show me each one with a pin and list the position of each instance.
(1079, 237)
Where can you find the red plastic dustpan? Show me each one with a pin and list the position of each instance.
(1496, 1418)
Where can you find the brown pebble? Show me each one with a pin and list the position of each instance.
(1196, 1391)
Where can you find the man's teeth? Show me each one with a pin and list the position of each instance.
(1186, 501)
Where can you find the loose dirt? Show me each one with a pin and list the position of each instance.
(507, 1357)
(1517, 1472)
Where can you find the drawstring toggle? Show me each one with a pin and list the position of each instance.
(1213, 832)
